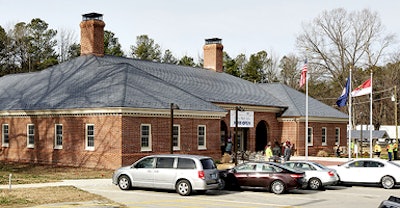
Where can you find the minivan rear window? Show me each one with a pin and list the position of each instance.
(185, 163)
(208, 164)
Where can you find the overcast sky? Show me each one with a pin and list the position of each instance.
(182, 25)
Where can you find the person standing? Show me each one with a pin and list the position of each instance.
(390, 150)
(228, 148)
(287, 152)
(377, 150)
(277, 152)
(395, 147)
(268, 152)
(338, 151)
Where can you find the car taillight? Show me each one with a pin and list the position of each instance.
(296, 175)
(201, 174)
(331, 173)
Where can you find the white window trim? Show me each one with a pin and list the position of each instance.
(55, 137)
(310, 143)
(202, 147)
(179, 138)
(28, 145)
(86, 138)
(149, 148)
(326, 136)
(3, 143)
(337, 129)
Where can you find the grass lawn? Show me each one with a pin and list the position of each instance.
(28, 173)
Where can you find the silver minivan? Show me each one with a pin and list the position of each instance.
(184, 173)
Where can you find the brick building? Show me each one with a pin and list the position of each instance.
(104, 111)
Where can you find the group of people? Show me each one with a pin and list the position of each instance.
(275, 153)
(391, 150)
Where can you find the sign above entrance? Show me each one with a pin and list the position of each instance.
(245, 119)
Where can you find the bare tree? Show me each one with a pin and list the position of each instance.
(65, 40)
(336, 40)
(289, 74)
(271, 69)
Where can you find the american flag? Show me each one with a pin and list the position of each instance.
(303, 75)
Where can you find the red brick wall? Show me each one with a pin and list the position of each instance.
(92, 37)
(117, 138)
(213, 57)
(107, 141)
(161, 136)
(317, 137)
(273, 126)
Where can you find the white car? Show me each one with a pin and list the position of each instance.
(369, 171)
(317, 175)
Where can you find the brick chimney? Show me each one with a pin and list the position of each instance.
(92, 34)
(213, 54)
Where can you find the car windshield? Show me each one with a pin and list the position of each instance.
(393, 163)
(208, 164)
(286, 168)
(346, 163)
(320, 166)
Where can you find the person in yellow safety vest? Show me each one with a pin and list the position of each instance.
(268, 152)
(352, 148)
(377, 150)
(395, 147)
(390, 150)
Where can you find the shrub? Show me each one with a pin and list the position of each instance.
(322, 153)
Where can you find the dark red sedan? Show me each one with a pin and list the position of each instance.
(268, 175)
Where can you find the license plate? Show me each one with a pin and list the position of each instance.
(213, 176)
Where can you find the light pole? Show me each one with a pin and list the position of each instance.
(173, 107)
(394, 99)
(237, 109)
(362, 138)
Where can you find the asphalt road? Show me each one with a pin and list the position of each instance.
(332, 196)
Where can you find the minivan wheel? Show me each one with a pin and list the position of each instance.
(183, 188)
(387, 182)
(277, 187)
(124, 182)
(314, 184)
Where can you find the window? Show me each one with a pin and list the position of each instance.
(337, 136)
(165, 162)
(176, 137)
(201, 137)
(323, 136)
(208, 164)
(146, 163)
(185, 163)
(4, 137)
(31, 136)
(89, 137)
(310, 136)
(145, 137)
(248, 167)
(58, 140)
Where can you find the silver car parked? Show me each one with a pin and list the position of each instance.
(317, 174)
(184, 173)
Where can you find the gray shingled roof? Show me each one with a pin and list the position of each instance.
(296, 101)
(94, 82)
(356, 134)
(207, 84)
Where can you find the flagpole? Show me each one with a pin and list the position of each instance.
(306, 148)
(350, 126)
(370, 121)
